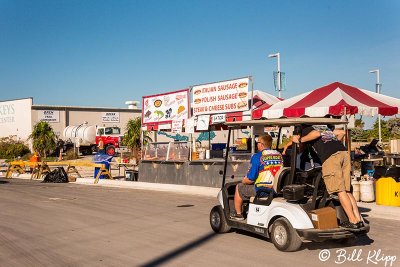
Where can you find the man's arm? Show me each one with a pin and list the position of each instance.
(286, 147)
(246, 180)
(339, 134)
(307, 138)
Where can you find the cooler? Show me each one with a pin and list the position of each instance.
(388, 186)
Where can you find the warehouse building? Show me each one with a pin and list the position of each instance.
(18, 116)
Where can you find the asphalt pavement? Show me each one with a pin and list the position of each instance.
(79, 225)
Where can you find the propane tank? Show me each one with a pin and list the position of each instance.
(367, 191)
(86, 134)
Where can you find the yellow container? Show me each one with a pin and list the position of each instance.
(387, 192)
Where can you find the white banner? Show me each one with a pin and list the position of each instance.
(165, 108)
(49, 115)
(110, 116)
(221, 97)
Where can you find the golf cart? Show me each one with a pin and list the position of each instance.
(290, 215)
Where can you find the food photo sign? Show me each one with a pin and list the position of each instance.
(165, 108)
(221, 97)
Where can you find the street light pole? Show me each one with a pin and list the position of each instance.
(378, 90)
(278, 56)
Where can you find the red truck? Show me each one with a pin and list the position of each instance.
(87, 138)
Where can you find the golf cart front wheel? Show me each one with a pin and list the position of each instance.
(283, 236)
(218, 221)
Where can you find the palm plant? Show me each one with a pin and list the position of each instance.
(43, 138)
(132, 136)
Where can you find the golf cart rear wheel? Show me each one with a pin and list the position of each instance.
(284, 237)
(218, 220)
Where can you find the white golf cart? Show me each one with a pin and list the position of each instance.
(284, 218)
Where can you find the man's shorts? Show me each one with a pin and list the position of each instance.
(246, 191)
(336, 172)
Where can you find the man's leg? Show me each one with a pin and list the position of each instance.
(238, 201)
(346, 169)
(355, 207)
(335, 181)
(347, 206)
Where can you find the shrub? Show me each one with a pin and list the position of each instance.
(11, 148)
(71, 154)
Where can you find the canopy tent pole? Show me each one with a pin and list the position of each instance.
(253, 147)
(226, 157)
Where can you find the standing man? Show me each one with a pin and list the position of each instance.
(260, 176)
(100, 146)
(336, 167)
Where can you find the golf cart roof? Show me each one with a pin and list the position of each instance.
(287, 122)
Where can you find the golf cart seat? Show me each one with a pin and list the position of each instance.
(280, 181)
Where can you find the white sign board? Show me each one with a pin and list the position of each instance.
(49, 115)
(219, 118)
(16, 118)
(176, 126)
(189, 125)
(110, 116)
(203, 121)
(221, 97)
(164, 108)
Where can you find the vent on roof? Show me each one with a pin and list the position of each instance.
(132, 104)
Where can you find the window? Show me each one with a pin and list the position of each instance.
(100, 131)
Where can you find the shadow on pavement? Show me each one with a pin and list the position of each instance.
(352, 242)
(177, 252)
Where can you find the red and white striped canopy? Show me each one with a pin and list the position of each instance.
(335, 99)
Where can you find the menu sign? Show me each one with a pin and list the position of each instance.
(165, 108)
(221, 97)
(176, 126)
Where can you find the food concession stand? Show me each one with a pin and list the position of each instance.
(193, 160)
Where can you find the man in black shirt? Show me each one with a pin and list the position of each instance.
(336, 166)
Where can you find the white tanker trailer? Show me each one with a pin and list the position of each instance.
(87, 137)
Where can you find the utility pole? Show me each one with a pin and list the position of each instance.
(378, 90)
(278, 56)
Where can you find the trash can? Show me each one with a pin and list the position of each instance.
(101, 159)
(387, 185)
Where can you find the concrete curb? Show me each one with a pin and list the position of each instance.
(182, 189)
(378, 211)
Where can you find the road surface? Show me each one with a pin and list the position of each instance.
(79, 225)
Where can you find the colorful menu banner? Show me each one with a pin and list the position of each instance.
(165, 108)
(221, 97)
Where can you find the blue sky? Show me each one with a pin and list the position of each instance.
(102, 53)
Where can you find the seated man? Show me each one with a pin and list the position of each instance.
(260, 176)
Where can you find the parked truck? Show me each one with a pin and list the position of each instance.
(87, 138)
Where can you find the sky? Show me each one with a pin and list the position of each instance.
(103, 53)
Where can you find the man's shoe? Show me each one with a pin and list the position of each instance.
(360, 224)
(349, 225)
(237, 217)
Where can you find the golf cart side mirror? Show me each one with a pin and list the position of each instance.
(232, 176)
